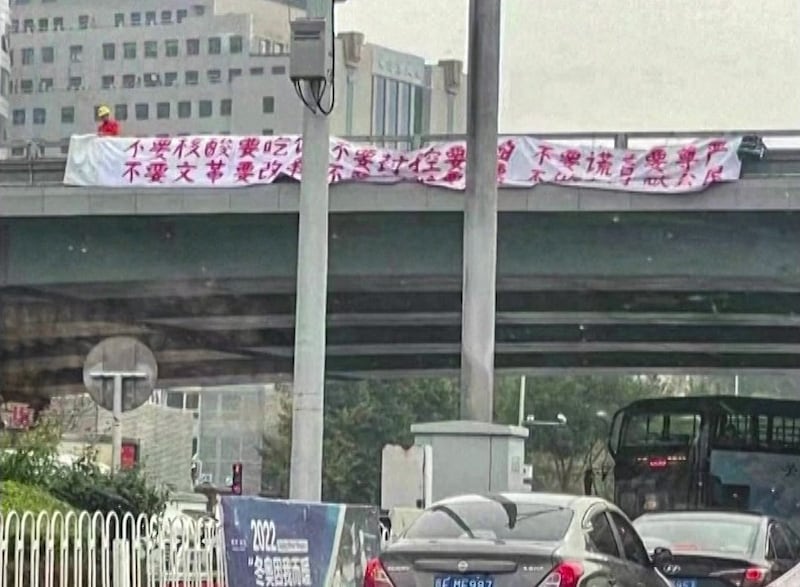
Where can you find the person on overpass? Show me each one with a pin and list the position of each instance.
(108, 126)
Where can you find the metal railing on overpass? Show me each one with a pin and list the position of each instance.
(765, 152)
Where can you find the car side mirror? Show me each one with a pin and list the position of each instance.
(661, 556)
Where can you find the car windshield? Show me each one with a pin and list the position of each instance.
(492, 520)
(702, 534)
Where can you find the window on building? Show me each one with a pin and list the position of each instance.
(44, 25)
(151, 49)
(390, 113)
(17, 151)
(214, 76)
(46, 84)
(199, 9)
(128, 80)
(278, 70)
(171, 47)
(18, 117)
(109, 51)
(142, 111)
(267, 132)
(75, 53)
(64, 146)
(193, 46)
(26, 86)
(39, 116)
(119, 19)
(192, 78)
(48, 55)
(226, 107)
(68, 115)
(205, 108)
(150, 18)
(234, 73)
(170, 78)
(162, 110)
(184, 109)
(192, 402)
(121, 112)
(152, 80)
(256, 71)
(175, 400)
(181, 14)
(75, 83)
(27, 25)
(236, 44)
(83, 21)
(58, 23)
(214, 46)
(15, 25)
(166, 17)
(107, 81)
(378, 105)
(27, 56)
(136, 19)
(129, 50)
(268, 104)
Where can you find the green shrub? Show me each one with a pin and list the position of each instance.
(83, 486)
(17, 497)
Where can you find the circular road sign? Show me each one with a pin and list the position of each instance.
(128, 357)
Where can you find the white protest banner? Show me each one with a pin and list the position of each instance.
(241, 161)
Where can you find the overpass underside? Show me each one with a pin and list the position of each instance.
(213, 296)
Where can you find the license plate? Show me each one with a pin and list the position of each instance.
(464, 581)
(684, 583)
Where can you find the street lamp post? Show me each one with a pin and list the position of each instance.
(480, 213)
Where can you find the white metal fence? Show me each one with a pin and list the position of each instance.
(107, 550)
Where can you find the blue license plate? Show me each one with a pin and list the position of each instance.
(463, 581)
(684, 582)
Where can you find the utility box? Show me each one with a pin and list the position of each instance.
(309, 54)
(473, 457)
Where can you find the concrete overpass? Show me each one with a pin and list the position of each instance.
(587, 279)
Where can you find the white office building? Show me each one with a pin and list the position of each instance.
(203, 66)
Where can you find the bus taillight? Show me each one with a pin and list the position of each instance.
(657, 462)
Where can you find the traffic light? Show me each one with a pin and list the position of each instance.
(236, 484)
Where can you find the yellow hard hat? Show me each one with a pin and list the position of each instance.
(103, 111)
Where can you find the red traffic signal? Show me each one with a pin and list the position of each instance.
(236, 484)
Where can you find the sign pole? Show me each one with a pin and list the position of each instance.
(118, 378)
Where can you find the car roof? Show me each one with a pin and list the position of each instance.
(707, 515)
(574, 502)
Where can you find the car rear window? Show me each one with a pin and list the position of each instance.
(492, 520)
(706, 534)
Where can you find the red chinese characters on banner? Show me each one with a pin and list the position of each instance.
(211, 161)
(655, 174)
(364, 160)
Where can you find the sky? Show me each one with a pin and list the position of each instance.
(616, 65)
(409, 25)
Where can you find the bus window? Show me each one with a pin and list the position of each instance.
(785, 433)
(614, 436)
(654, 430)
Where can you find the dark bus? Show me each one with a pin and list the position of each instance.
(720, 452)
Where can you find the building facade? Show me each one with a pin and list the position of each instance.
(204, 67)
(5, 70)
(229, 427)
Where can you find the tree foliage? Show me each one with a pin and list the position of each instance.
(362, 417)
(31, 459)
